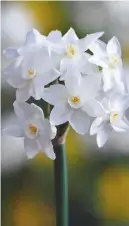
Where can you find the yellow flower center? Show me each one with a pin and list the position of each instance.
(114, 116)
(71, 51)
(30, 73)
(114, 59)
(32, 129)
(75, 100)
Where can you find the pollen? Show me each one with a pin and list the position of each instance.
(75, 100)
(33, 129)
(71, 51)
(30, 72)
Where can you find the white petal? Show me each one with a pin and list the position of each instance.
(107, 80)
(13, 73)
(55, 60)
(39, 61)
(14, 131)
(73, 82)
(54, 36)
(99, 48)
(98, 60)
(31, 147)
(103, 134)
(53, 132)
(16, 81)
(100, 95)
(88, 41)
(96, 125)
(28, 64)
(105, 103)
(37, 88)
(55, 94)
(11, 52)
(45, 128)
(91, 85)
(126, 79)
(46, 147)
(60, 114)
(55, 46)
(50, 152)
(86, 67)
(93, 108)
(25, 111)
(47, 62)
(33, 37)
(70, 36)
(119, 79)
(118, 102)
(36, 111)
(120, 124)
(66, 63)
(14, 67)
(21, 109)
(49, 76)
(113, 47)
(23, 94)
(80, 121)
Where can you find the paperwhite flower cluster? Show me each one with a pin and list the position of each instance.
(87, 89)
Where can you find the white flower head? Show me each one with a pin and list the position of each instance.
(71, 48)
(109, 58)
(111, 117)
(34, 128)
(84, 93)
(32, 69)
(72, 101)
(85, 68)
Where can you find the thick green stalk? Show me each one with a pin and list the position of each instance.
(61, 185)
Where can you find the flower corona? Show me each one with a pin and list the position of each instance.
(75, 99)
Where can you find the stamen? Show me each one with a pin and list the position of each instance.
(33, 129)
(114, 116)
(71, 51)
(75, 99)
(114, 59)
(30, 73)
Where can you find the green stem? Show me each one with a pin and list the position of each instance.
(61, 185)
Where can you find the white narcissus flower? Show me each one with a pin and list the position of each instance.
(33, 38)
(73, 101)
(111, 117)
(34, 128)
(32, 69)
(84, 68)
(109, 58)
(70, 48)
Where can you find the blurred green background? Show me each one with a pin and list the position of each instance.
(98, 178)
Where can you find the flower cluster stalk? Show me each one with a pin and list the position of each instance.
(61, 185)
